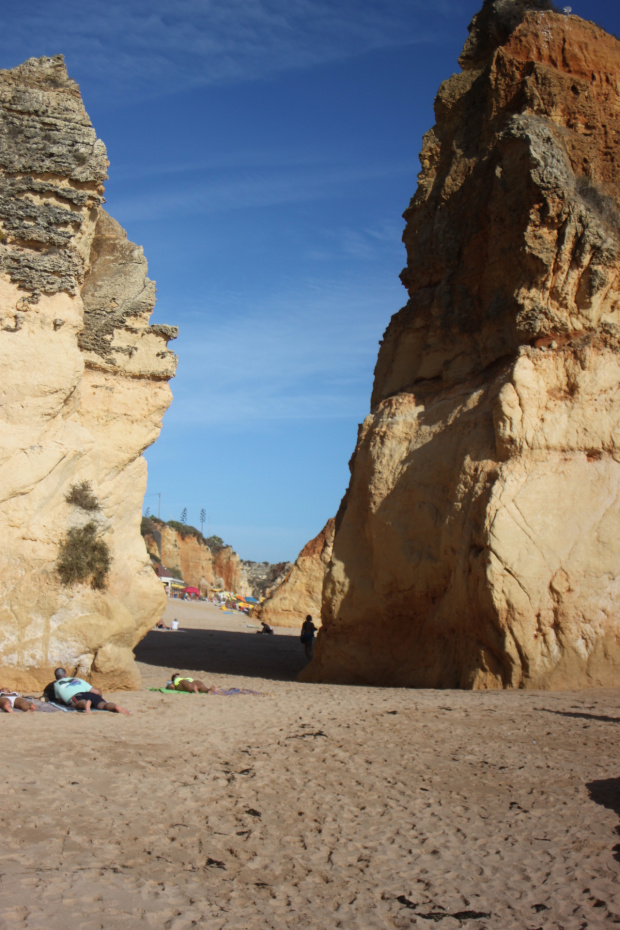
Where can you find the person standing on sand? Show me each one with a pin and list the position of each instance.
(11, 699)
(308, 630)
(79, 694)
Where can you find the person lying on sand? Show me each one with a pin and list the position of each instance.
(11, 699)
(193, 685)
(80, 694)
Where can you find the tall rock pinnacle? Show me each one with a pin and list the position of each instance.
(83, 392)
(478, 544)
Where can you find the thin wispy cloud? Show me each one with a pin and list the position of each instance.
(221, 164)
(364, 244)
(304, 354)
(249, 188)
(138, 47)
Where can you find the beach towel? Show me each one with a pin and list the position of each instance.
(170, 691)
(229, 691)
(225, 692)
(62, 707)
(46, 706)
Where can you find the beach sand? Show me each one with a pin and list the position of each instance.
(311, 806)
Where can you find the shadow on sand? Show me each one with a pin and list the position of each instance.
(582, 715)
(606, 791)
(278, 658)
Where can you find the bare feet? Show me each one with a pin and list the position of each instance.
(117, 709)
(87, 707)
(5, 705)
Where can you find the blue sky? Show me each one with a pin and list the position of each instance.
(262, 152)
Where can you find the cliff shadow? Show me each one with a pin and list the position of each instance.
(427, 616)
(581, 715)
(606, 791)
(220, 652)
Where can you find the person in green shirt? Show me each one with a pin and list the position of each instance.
(80, 694)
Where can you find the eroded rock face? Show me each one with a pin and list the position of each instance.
(301, 590)
(200, 566)
(478, 544)
(260, 579)
(206, 568)
(83, 390)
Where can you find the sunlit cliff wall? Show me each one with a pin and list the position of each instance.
(83, 390)
(300, 591)
(478, 544)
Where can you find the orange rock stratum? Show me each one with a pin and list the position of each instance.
(478, 544)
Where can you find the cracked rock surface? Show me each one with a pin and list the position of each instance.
(83, 392)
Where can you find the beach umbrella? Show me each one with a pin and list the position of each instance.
(192, 591)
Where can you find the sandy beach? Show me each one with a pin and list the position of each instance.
(311, 806)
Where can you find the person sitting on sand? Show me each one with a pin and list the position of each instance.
(80, 694)
(192, 685)
(265, 628)
(160, 625)
(11, 699)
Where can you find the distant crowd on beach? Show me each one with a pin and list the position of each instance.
(67, 692)
(226, 600)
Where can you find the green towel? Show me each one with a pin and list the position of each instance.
(170, 691)
(226, 692)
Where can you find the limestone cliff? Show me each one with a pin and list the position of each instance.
(208, 564)
(83, 391)
(260, 579)
(300, 592)
(478, 544)
(208, 568)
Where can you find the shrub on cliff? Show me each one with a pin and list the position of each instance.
(151, 525)
(184, 530)
(82, 496)
(215, 543)
(84, 557)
